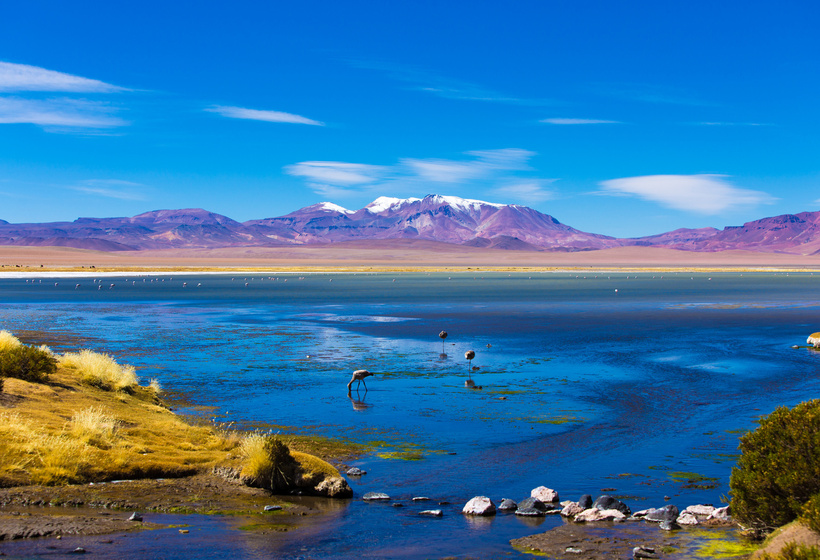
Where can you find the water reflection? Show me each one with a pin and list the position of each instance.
(358, 403)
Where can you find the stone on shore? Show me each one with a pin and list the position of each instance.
(669, 512)
(687, 518)
(608, 502)
(594, 514)
(546, 495)
(640, 552)
(814, 340)
(721, 514)
(480, 505)
(375, 496)
(572, 509)
(136, 516)
(669, 526)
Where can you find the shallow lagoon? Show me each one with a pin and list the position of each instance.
(635, 383)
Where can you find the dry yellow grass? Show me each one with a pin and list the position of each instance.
(108, 435)
(100, 370)
(8, 341)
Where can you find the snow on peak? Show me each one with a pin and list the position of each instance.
(334, 208)
(384, 203)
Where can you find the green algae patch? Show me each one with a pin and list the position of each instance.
(403, 455)
(690, 477)
(264, 527)
(715, 545)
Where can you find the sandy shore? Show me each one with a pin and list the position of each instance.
(390, 255)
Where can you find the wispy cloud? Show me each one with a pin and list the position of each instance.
(654, 94)
(112, 188)
(57, 114)
(558, 120)
(22, 77)
(487, 169)
(711, 123)
(533, 191)
(703, 194)
(447, 88)
(260, 115)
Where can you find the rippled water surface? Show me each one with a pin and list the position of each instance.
(638, 385)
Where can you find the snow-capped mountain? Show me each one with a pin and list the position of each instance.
(447, 219)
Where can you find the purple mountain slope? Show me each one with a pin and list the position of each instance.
(433, 218)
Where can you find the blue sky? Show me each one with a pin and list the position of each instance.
(621, 118)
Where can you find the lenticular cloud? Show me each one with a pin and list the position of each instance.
(704, 194)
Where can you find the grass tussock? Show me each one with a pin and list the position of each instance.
(100, 370)
(155, 386)
(8, 341)
(94, 426)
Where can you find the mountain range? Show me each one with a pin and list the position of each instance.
(440, 218)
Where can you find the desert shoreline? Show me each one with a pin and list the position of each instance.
(383, 257)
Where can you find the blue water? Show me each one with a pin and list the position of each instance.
(588, 382)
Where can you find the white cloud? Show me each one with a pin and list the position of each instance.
(484, 169)
(558, 120)
(257, 115)
(528, 192)
(704, 194)
(112, 188)
(21, 77)
(707, 123)
(58, 113)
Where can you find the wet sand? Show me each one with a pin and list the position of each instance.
(393, 255)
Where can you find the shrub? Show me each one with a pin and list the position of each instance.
(100, 370)
(27, 363)
(779, 467)
(811, 513)
(268, 463)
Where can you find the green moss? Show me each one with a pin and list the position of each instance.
(715, 546)
(690, 477)
(403, 455)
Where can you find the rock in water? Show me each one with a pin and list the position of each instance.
(595, 514)
(721, 513)
(687, 518)
(530, 512)
(507, 505)
(669, 526)
(572, 509)
(432, 513)
(334, 487)
(355, 471)
(608, 502)
(546, 495)
(640, 552)
(532, 503)
(136, 516)
(375, 496)
(699, 511)
(668, 512)
(585, 501)
(480, 505)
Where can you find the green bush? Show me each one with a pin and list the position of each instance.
(779, 467)
(268, 463)
(794, 551)
(811, 513)
(27, 363)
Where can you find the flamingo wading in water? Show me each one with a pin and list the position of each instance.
(359, 376)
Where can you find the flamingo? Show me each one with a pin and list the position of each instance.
(359, 376)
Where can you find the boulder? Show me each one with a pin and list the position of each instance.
(375, 496)
(355, 471)
(585, 501)
(334, 487)
(687, 518)
(594, 514)
(608, 502)
(640, 552)
(136, 516)
(530, 512)
(507, 505)
(546, 495)
(699, 511)
(480, 505)
(814, 340)
(532, 503)
(669, 512)
(721, 514)
(421, 499)
(572, 509)
(669, 526)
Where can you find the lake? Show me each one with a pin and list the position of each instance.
(636, 385)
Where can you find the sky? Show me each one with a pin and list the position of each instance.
(620, 118)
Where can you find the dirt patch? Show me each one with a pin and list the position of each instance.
(792, 533)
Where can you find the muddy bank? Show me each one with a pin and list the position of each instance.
(94, 509)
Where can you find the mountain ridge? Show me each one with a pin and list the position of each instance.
(441, 218)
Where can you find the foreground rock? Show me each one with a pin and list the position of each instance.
(594, 514)
(544, 494)
(480, 505)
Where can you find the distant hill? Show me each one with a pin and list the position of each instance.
(447, 219)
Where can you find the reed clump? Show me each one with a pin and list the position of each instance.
(100, 370)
